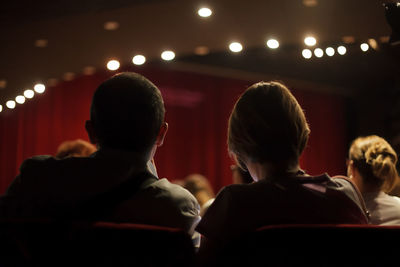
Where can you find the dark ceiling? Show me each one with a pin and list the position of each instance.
(76, 38)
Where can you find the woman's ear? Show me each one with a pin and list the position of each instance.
(161, 134)
(90, 131)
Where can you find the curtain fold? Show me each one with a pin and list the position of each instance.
(198, 107)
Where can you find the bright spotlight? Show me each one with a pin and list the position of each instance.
(236, 47)
(318, 52)
(272, 43)
(138, 60)
(310, 41)
(29, 93)
(10, 104)
(330, 51)
(39, 88)
(306, 53)
(20, 99)
(113, 64)
(341, 50)
(364, 47)
(204, 12)
(1, 108)
(168, 55)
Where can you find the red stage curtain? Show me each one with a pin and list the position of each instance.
(197, 106)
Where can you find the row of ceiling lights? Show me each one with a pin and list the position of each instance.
(169, 55)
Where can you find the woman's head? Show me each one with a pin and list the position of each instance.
(375, 161)
(267, 124)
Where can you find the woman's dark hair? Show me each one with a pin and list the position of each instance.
(267, 124)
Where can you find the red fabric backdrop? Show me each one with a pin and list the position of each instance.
(197, 106)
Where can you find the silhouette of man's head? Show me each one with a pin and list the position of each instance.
(127, 113)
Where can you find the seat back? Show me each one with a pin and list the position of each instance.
(52, 243)
(314, 245)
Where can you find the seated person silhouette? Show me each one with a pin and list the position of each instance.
(118, 182)
(267, 132)
(75, 148)
(201, 189)
(372, 167)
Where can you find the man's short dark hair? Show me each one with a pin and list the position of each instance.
(127, 112)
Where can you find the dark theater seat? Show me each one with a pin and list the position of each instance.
(56, 243)
(314, 245)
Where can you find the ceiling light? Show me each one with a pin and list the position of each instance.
(349, 39)
(204, 12)
(39, 88)
(272, 43)
(201, 50)
(310, 41)
(111, 25)
(20, 99)
(28, 93)
(341, 50)
(373, 43)
(306, 53)
(138, 60)
(68, 76)
(364, 47)
(168, 55)
(41, 43)
(236, 47)
(1, 108)
(10, 104)
(318, 52)
(89, 70)
(310, 3)
(3, 84)
(113, 64)
(330, 51)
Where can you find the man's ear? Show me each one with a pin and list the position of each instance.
(161, 134)
(90, 131)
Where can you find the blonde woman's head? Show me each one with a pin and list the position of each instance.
(375, 160)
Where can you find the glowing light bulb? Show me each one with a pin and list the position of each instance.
(10, 104)
(138, 60)
(318, 52)
(204, 12)
(1, 108)
(28, 93)
(272, 43)
(113, 64)
(39, 88)
(330, 51)
(364, 47)
(310, 41)
(20, 99)
(168, 55)
(306, 53)
(341, 50)
(236, 47)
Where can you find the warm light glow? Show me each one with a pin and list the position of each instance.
(138, 60)
(20, 99)
(111, 25)
(306, 53)
(341, 50)
(330, 51)
(310, 41)
(113, 64)
(236, 47)
(39, 88)
(201, 50)
(364, 47)
(272, 43)
(10, 104)
(1, 108)
(204, 12)
(168, 55)
(373, 44)
(28, 93)
(318, 52)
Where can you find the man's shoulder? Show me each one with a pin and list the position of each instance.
(172, 191)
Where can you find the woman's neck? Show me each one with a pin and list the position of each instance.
(267, 170)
